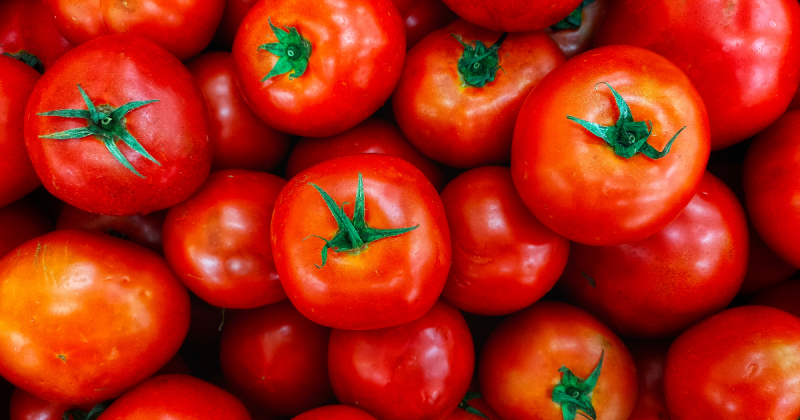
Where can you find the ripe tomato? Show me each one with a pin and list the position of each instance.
(86, 316)
(142, 230)
(277, 359)
(182, 27)
(16, 84)
(551, 361)
(415, 371)
(20, 222)
(441, 99)
(743, 363)
(369, 136)
(743, 57)
(503, 258)
(241, 140)
(575, 33)
(389, 242)
(422, 17)
(629, 186)
(317, 68)
(216, 241)
(176, 397)
(649, 357)
(513, 15)
(28, 34)
(144, 148)
(25, 406)
(335, 412)
(683, 274)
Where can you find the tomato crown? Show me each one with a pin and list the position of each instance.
(292, 50)
(464, 404)
(574, 20)
(478, 64)
(94, 413)
(574, 393)
(27, 58)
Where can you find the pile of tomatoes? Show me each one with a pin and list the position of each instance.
(399, 209)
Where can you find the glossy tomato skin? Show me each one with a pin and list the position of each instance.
(20, 222)
(167, 397)
(450, 122)
(393, 280)
(95, 322)
(770, 176)
(650, 357)
(369, 136)
(519, 365)
(116, 70)
(742, 363)
(141, 230)
(17, 81)
(573, 182)
(415, 371)
(784, 295)
(182, 27)
(422, 17)
(513, 15)
(334, 412)
(576, 41)
(503, 258)
(27, 26)
(356, 59)
(217, 240)
(742, 57)
(683, 274)
(277, 359)
(241, 140)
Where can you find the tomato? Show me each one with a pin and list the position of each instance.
(241, 140)
(141, 230)
(575, 33)
(334, 412)
(28, 34)
(167, 397)
(551, 361)
(649, 357)
(503, 258)
(742, 363)
(783, 295)
(16, 84)
(440, 100)
(583, 186)
(216, 241)
(388, 270)
(418, 370)
(86, 316)
(422, 17)
(369, 136)
(317, 68)
(81, 158)
(683, 274)
(513, 15)
(741, 56)
(20, 222)
(276, 358)
(25, 406)
(182, 27)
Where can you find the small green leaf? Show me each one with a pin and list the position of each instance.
(574, 393)
(292, 50)
(478, 65)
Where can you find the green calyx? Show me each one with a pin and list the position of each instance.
(292, 50)
(464, 404)
(27, 58)
(574, 20)
(353, 235)
(627, 137)
(105, 123)
(478, 64)
(94, 413)
(574, 393)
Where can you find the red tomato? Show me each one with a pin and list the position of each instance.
(623, 188)
(743, 57)
(649, 357)
(216, 241)
(365, 284)
(167, 397)
(441, 99)
(553, 352)
(20, 222)
(182, 27)
(503, 258)
(133, 156)
(16, 84)
(415, 371)
(422, 17)
(369, 136)
(276, 358)
(241, 140)
(575, 33)
(317, 68)
(334, 412)
(670, 281)
(25, 406)
(784, 295)
(28, 34)
(141, 230)
(86, 316)
(513, 15)
(743, 363)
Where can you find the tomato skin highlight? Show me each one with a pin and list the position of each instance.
(573, 182)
